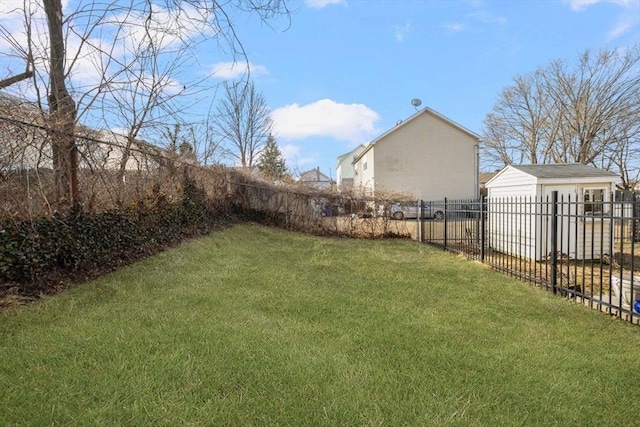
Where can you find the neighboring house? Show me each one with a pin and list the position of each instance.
(25, 145)
(344, 168)
(316, 179)
(427, 155)
(519, 210)
(483, 178)
(107, 150)
(22, 135)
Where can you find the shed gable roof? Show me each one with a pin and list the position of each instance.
(553, 173)
(564, 170)
(350, 155)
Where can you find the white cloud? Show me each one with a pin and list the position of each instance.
(623, 26)
(401, 32)
(319, 4)
(454, 27)
(578, 5)
(168, 30)
(629, 19)
(12, 21)
(479, 16)
(348, 122)
(488, 18)
(291, 154)
(121, 33)
(233, 70)
(289, 151)
(8, 6)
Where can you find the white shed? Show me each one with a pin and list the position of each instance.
(519, 210)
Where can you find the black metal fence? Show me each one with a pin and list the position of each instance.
(581, 248)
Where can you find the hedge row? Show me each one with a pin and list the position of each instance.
(35, 251)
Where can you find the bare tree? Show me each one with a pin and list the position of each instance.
(243, 123)
(126, 61)
(27, 74)
(205, 143)
(587, 114)
(598, 96)
(522, 123)
(62, 113)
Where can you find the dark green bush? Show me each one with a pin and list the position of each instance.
(32, 252)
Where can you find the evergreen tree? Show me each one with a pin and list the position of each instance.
(271, 163)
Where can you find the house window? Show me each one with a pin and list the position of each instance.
(364, 166)
(593, 201)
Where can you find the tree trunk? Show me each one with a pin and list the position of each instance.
(62, 115)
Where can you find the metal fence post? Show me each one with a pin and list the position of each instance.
(634, 222)
(444, 223)
(419, 217)
(554, 241)
(483, 228)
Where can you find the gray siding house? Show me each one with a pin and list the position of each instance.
(316, 179)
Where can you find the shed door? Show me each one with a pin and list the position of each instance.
(567, 216)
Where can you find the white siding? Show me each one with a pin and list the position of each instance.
(345, 172)
(514, 225)
(357, 177)
(366, 171)
(519, 217)
(522, 190)
(429, 158)
(512, 182)
(597, 238)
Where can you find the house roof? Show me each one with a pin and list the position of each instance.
(402, 123)
(314, 175)
(559, 172)
(345, 156)
(564, 170)
(14, 107)
(483, 177)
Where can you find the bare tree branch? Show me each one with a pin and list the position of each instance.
(15, 79)
(586, 114)
(242, 123)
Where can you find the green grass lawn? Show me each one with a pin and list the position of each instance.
(259, 326)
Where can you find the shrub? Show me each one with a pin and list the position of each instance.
(34, 251)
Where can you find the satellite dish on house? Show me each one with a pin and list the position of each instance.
(416, 102)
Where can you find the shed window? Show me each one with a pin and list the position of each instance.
(593, 201)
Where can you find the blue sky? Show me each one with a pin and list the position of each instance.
(346, 70)
(338, 73)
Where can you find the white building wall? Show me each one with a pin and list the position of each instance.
(365, 172)
(345, 171)
(512, 181)
(429, 158)
(598, 231)
(514, 225)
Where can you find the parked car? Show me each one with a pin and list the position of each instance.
(410, 210)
